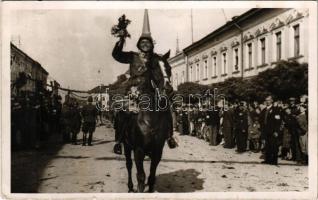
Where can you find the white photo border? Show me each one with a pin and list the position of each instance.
(7, 7)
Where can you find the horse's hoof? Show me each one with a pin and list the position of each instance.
(131, 191)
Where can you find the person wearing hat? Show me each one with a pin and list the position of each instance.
(147, 71)
(89, 116)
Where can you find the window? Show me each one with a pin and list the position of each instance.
(182, 78)
(263, 51)
(236, 59)
(250, 55)
(191, 74)
(278, 46)
(296, 40)
(198, 72)
(205, 69)
(214, 66)
(224, 63)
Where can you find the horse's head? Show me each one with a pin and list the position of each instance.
(165, 58)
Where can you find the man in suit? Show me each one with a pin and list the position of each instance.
(272, 122)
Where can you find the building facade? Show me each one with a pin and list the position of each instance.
(178, 64)
(21, 62)
(246, 45)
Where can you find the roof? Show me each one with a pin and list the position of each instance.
(223, 28)
(176, 57)
(36, 63)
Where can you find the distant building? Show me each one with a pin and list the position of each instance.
(243, 47)
(178, 64)
(21, 62)
(100, 95)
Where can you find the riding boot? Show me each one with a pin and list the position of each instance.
(172, 143)
(117, 148)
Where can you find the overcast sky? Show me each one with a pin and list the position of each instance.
(72, 45)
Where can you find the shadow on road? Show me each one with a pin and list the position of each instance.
(199, 161)
(102, 142)
(27, 166)
(179, 181)
(71, 157)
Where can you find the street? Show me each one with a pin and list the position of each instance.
(192, 167)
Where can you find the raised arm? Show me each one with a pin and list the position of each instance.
(121, 56)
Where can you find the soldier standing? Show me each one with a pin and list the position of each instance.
(76, 122)
(89, 115)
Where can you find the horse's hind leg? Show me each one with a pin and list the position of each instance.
(155, 159)
(141, 176)
(129, 167)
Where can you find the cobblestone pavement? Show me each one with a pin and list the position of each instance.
(193, 167)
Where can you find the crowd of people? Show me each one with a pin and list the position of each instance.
(274, 128)
(34, 118)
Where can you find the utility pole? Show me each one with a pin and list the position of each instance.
(191, 27)
(177, 46)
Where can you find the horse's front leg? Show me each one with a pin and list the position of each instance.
(155, 159)
(129, 164)
(141, 176)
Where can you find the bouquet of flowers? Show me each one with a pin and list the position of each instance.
(120, 30)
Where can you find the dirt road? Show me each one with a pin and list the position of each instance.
(193, 167)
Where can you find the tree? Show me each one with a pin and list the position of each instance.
(188, 90)
(287, 79)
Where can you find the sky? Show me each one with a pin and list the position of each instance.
(73, 45)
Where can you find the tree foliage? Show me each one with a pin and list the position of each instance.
(286, 79)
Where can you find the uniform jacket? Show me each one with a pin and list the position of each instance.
(141, 72)
(89, 113)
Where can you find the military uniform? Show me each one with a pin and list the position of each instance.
(89, 115)
(75, 123)
(66, 118)
(146, 72)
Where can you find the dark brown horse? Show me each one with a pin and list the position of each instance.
(146, 133)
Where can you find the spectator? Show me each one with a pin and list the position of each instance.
(272, 131)
(241, 127)
(254, 129)
(89, 115)
(228, 127)
(303, 125)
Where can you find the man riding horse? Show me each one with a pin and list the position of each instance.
(147, 73)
